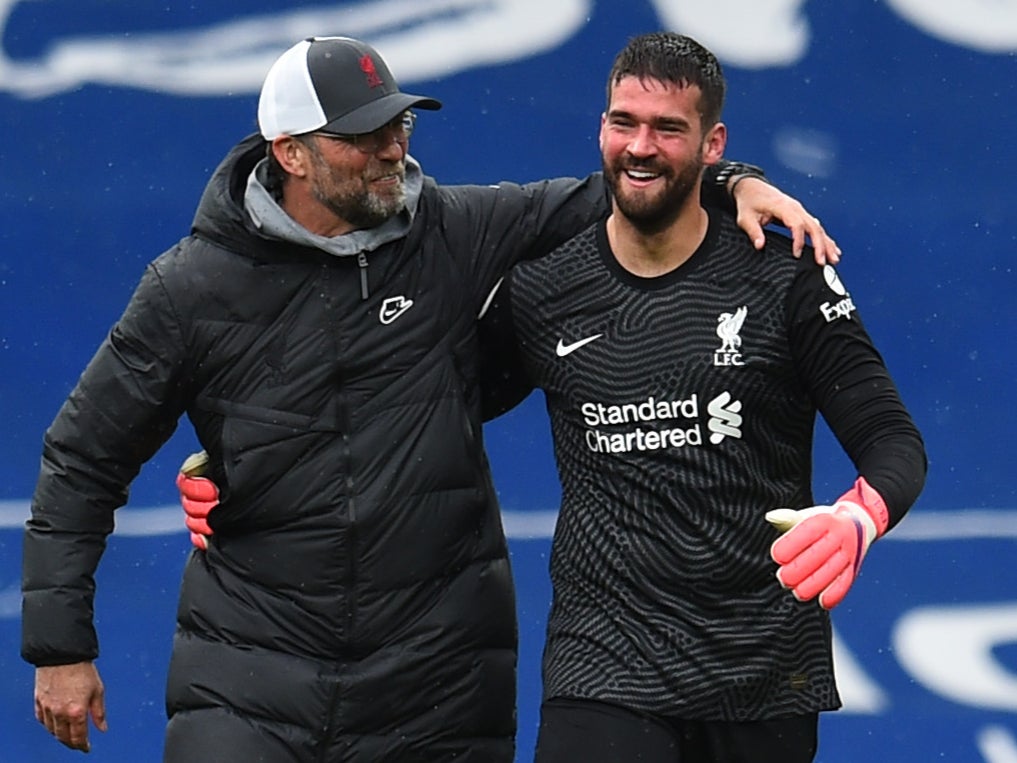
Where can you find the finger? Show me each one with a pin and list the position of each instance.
(803, 536)
(97, 709)
(196, 514)
(819, 558)
(48, 720)
(195, 464)
(824, 246)
(837, 590)
(753, 229)
(199, 541)
(817, 236)
(783, 519)
(196, 522)
(77, 731)
(827, 252)
(833, 252)
(197, 488)
(797, 238)
(814, 577)
(64, 732)
(61, 732)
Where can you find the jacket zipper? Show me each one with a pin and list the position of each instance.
(362, 264)
(329, 732)
(332, 729)
(351, 545)
(346, 426)
(344, 421)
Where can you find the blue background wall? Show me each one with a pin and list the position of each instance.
(893, 121)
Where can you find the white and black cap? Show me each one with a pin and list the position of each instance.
(332, 84)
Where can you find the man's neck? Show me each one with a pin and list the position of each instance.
(650, 254)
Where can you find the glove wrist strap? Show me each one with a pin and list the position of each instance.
(865, 497)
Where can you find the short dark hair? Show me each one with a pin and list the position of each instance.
(275, 175)
(675, 58)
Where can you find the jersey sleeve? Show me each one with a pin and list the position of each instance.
(853, 389)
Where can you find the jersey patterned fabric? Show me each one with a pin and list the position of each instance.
(682, 409)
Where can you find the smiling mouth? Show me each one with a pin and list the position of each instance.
(642, 176)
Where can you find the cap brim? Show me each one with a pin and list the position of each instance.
(379, 113)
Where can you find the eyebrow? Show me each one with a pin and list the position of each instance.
(660, 121)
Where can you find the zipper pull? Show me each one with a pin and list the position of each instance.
(362, 263)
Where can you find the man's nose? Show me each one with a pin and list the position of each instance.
(644, 142)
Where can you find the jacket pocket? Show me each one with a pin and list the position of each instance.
(271, 463)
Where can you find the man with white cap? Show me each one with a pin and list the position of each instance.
(318, 329)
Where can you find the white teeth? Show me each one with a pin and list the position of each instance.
(641, 175)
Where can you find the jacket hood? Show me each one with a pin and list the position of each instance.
(220, 216)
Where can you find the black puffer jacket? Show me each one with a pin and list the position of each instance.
(356, 602)
(356, 598)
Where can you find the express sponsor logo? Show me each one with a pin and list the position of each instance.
(842, 308)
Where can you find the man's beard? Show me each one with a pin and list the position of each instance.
(653, 212)
(352, 200)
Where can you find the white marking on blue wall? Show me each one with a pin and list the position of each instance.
(920, 525)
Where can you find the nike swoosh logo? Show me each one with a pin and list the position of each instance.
(564, 349)
(393, 307)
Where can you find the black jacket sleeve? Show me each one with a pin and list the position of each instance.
(714, 191)
(504, 382)
(852, 387)
(124, 407)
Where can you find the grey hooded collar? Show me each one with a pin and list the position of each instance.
(269, 218)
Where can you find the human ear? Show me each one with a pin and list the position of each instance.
(714, 143)
(291, 155)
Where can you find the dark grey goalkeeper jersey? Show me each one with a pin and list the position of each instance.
(682, 409)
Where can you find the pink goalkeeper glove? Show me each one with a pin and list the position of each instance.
(822, 547)
(198, 496)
